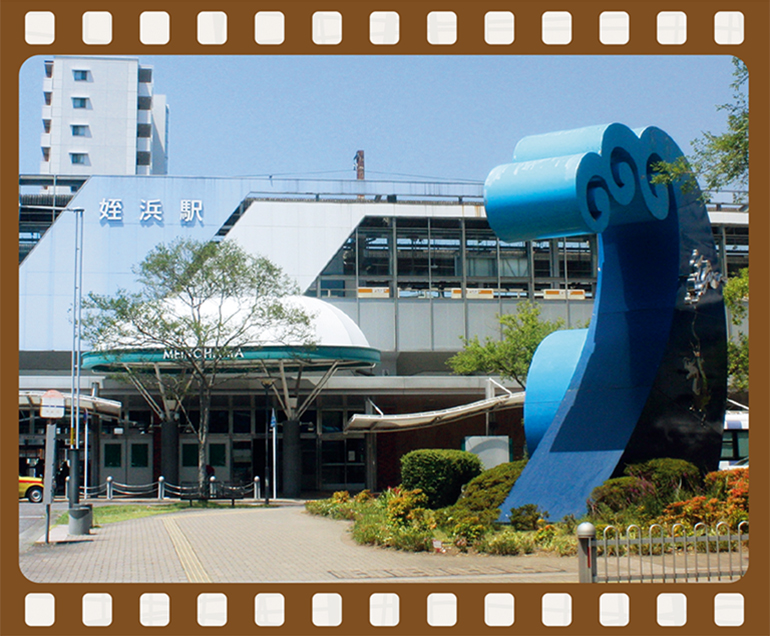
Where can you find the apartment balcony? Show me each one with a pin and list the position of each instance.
(143, 116)
(145, 90)
(45, 140)
(48, 85)
(144, 143)
(47, 112)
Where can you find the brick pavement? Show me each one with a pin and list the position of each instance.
(278, 544)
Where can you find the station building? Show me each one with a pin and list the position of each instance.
(414, 265)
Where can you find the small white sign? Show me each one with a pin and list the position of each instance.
(52, 405)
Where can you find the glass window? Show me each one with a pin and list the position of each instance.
(189, 455)
(218, 422)
(331, 422)
(143, 158)
(218, 454)
(80, 76)
(727, 445)
(140, 455)
(80, 102)
(113, 456)
(242, 421)
(333, 451)
(144, 130)
(79, 131)
(144, 103)
(47, 98)
(513, 260)
(742, 443)
(374, 253)
(145, 75)
(412, 247)
(79, 158)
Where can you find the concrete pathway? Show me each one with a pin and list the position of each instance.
(278, 544)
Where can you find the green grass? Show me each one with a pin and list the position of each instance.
(126, 512)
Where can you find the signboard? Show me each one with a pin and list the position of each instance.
(50, 464)
(52, 405)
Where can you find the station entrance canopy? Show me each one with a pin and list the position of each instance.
(88, 403)
(411, 421)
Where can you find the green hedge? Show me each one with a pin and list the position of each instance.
(439, 473)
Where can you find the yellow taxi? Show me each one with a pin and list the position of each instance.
(31, 488)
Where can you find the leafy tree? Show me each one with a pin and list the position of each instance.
(736, 290)
(718, 161)
(200, 303)
(511, 356)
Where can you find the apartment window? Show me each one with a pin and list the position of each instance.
(217, 455)
(80, 102)
(145, 75)
(143, 158)
(80, 158)
(46, 154)
(80, 76)
(79, 130)
(47, 97)
(47, 125)
(49, 69)
(144, 102)
(144, 130)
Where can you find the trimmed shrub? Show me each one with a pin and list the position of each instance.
(669, 476)
(490, 488)
(439, 473)
(620, 493)
(507, 542)
(527, 517)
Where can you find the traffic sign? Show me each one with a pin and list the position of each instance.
(52, 405)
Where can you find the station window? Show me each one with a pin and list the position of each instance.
(217, 455)
(189, 455)
(140, 455)
(113, 456)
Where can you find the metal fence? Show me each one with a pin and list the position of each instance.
(162, 489)
(660, 555)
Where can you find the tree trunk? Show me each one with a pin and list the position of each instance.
(203, 438)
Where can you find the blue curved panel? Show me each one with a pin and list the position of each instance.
(648, 378)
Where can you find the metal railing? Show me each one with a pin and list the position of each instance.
(658, 555)
(162, 489)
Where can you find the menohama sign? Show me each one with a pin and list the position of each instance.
(203, 353)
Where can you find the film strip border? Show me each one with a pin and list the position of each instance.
(384, 28)
(498, 609)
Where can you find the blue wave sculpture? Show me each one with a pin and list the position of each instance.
(648, 378)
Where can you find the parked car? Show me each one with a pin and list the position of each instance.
(31, 488)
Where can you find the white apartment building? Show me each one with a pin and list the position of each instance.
(100, 117)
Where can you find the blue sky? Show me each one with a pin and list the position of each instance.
(445, 117)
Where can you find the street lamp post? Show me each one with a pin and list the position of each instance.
(267, 383)
(74, 454)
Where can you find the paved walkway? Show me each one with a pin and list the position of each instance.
(278, 544)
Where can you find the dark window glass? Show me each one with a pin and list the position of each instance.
(144, 130)
(217, 455)
(143, 158)
(47, 125)
(140, 455)
(79, 158)
(80, 76)
(80, 102)
(49, 69)
(241, 421)
(144, 103)
(46, 154)
(331, 422)
(47, 97)
(218, 422)
(79, 131)
(743, 443)
(145, 75)
(189, 455)
(113, 456)
(333, 451)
